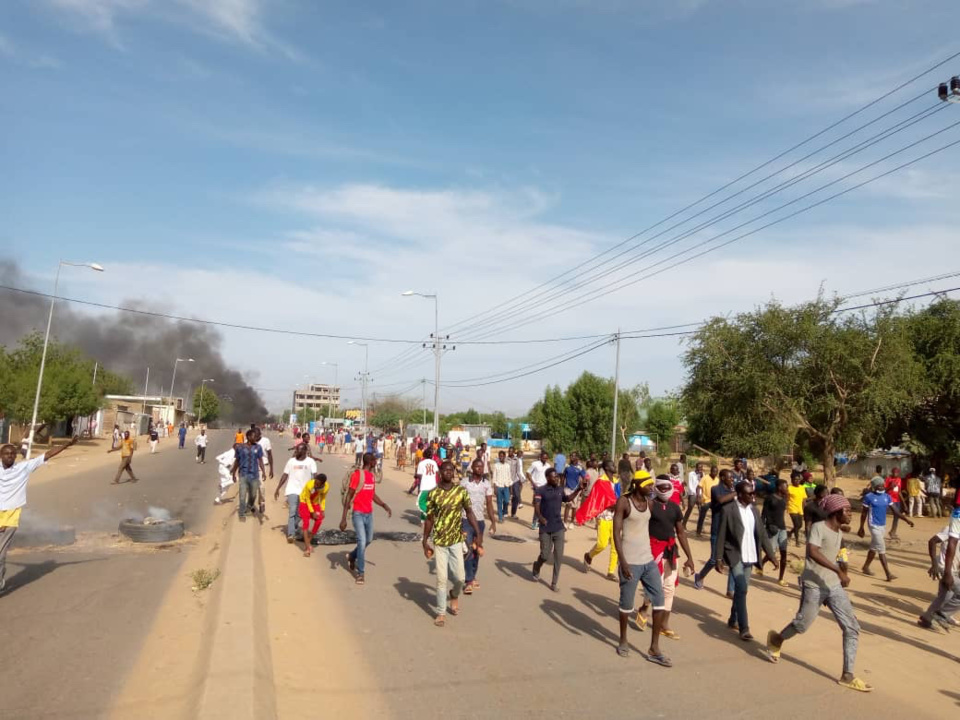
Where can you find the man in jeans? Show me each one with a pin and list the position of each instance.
(249, 466)
(502, 482)
(298, 471)
(547, 502)
(740, 539)
(361, 496)
(445, 505)
(822, 583)
(481, 500)
(933, 486)
(631, 538)
(515, 459)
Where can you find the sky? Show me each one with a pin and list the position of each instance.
(298, 164)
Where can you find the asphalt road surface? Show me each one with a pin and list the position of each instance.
(74, 621)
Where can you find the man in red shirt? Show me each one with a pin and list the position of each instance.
(361, 496)
(894, 485)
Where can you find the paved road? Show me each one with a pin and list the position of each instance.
(73, 622)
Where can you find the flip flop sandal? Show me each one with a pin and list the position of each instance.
(670, 634)
(661, 660)
(623, 651)
(773, 652)
(453, 611)
(856, 684)
(641, 622)
(468, 590)
(439, 622)
(360, 580)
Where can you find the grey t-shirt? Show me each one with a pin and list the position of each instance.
(814, 574)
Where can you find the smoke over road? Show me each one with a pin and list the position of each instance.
(126, 343)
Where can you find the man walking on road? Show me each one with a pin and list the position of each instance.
(127, 447)
(548, 503)
(502, 482)
(154, 439)
(13, 493)
(822, 583)
(445, 506)
(361, 496)
(875, 504)
(201, 442)
(481, 499)
(538, 478)
(296, 474)
(605, 532)
(740, 539)
(515, 458)
(249, 465)
(182, 434)
(944, 567)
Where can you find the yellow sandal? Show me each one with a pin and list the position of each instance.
(856, 684)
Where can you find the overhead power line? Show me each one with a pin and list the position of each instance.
(552, 281)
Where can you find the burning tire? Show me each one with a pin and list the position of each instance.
(151, 530)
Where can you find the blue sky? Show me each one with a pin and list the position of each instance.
(299, 164)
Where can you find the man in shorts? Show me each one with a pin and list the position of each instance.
(875, 504)
(775, 524)
(631, 538)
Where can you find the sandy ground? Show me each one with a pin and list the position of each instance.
(518, 648)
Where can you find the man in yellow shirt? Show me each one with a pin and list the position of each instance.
(13, 493)
(313, 503)
(703, 496)
(127, 447)
(796, 497)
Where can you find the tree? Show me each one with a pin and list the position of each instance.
(933, 426)
(207, 404)
(662, 418)
(68, 388)
(765, 380)
(386, 419)
(581, 417)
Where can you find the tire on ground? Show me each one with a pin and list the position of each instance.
(165, 531)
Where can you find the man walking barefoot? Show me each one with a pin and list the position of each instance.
(823, 582)
(445, 505)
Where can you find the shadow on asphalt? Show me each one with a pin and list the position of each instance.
(578, 623)
(420, 594)
(953, 695)
(35, 571)
(412, 517)
(713, 625)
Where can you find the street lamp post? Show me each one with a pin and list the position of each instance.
(174, 380)
(363, 381)
(200, 412)
(46, 342)
(436, 350)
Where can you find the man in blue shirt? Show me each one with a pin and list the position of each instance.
(182, 434)
(560, 462)
(249, 464)
(573, 475)
(875, 503)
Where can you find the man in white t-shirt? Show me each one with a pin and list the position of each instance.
(537, 475)
(224, 467)
(427, 472)
(201, 443)
(945, 568)
(298, 471)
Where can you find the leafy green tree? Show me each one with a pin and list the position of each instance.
(386, 419)
(763, 381)
(581, 417)
(207, 404)
(499, 424)
(933, 426)
(662, 418)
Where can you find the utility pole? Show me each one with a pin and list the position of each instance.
(95, 366)
(616, 398)
(145, 385)
(424, 384)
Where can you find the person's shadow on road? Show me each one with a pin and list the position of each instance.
(578, 623)
(420, 594)
(412, 517)
(34, 571)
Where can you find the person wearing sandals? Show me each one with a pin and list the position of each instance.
(823, 582)
(445, 504)
(740, 539)
(481, 499)
(667, 533)
(631, 537)
(944, 567)
(875, 504)
(361, 496)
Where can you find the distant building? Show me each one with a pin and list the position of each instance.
(134, 412)
(317, 397)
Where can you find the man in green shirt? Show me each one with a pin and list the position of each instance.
(446, 505)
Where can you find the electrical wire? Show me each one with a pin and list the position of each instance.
(767, 163)
(844, 155)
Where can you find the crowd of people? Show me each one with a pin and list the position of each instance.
(640, 519)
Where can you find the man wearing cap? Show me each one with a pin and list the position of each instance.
(822, 583)
(13, 493)
(876, 502)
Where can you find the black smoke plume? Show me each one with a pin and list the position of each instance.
(128, 343)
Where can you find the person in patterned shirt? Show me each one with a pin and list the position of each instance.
(444, 506)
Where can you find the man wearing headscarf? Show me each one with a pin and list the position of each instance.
(823, 582)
